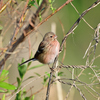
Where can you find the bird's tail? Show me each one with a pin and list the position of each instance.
(32, 59)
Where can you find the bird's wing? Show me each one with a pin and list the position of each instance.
(41, 48)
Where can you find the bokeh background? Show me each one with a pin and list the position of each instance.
(76, 45)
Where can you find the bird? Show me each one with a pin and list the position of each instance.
(48, 49)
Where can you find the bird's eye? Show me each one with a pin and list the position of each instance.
(51, 36)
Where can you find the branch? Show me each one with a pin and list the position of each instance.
(82, 95)
(64, 39)
(54, 64)
(26, 31)
(74, 66)
(77, 21)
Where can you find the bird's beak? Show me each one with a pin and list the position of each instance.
(55, 36)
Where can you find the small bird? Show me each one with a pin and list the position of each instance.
(48, 49)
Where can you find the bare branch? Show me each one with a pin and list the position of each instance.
(24, 34)
(78, 20)
(63, 41)
(82, 95)
(74, 66)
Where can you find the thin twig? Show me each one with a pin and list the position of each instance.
(74, 66)
(54, 64)
(90, 92)
(26, 86)
(82, 95)
(78, 20)
(63, 41)
(22, 37)
(82, 18)
(75, 87)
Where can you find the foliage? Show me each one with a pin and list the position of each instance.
(22, 71)
(5, 85)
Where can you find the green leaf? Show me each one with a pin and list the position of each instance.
(18, 96)
(24, 92)
(18, 81)
(27, 98)
(39, 2)
(22, 69)
(49, 1)
(32, 97)
(31, 3)
(3, 98)
(40, 17)
(48, 74)
(31, 55)
(3, 75)
(45, 80)
(7, 86)
(60, 74)
(29, 78)
(2, 91)
(29, 63)
(51, 5)
(37, 74)
(35, 66)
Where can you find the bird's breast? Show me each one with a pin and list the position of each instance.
(51, 51)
